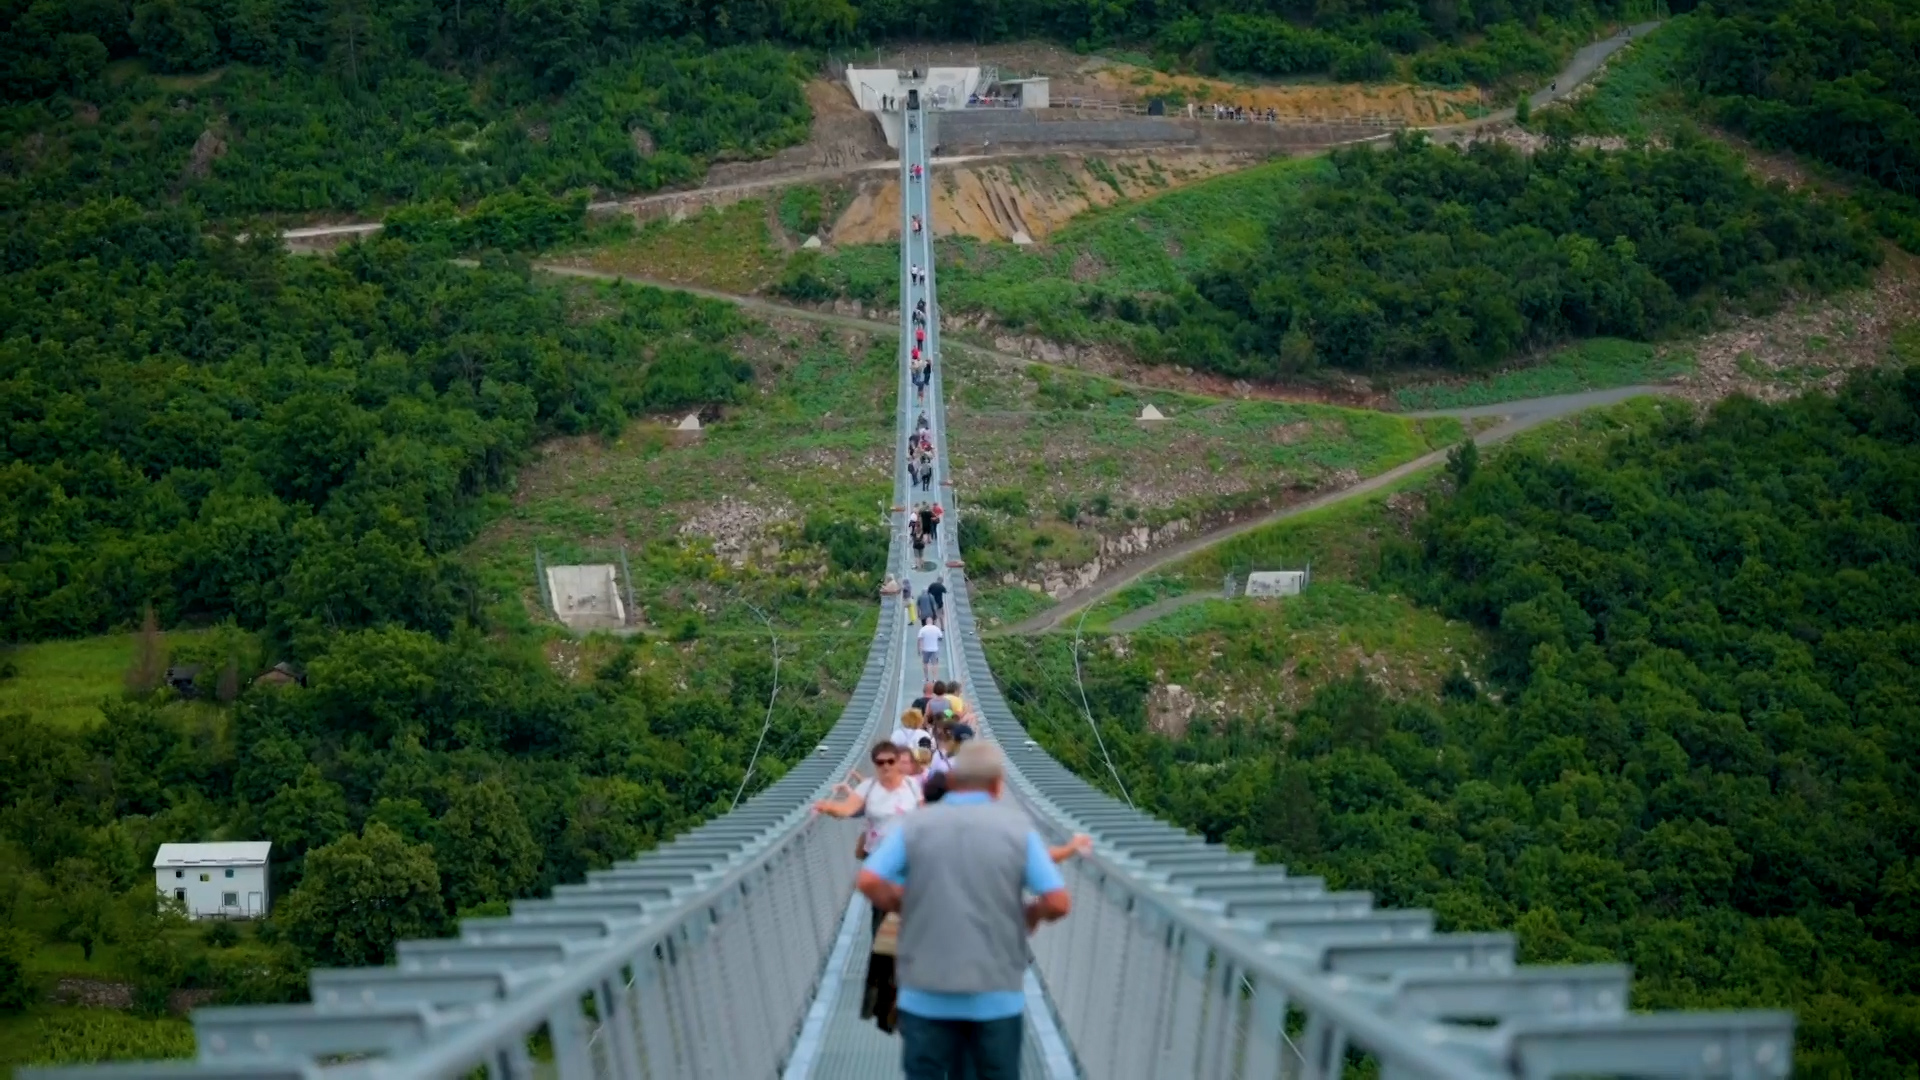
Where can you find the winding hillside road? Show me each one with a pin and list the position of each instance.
(1518, 416)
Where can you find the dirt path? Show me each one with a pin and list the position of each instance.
(828, 318)
(1578, 70)
(1134, 620)
(1520, 416)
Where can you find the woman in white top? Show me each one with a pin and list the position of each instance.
(893, 791)
(891, 794)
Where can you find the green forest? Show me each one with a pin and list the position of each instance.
(1693, 749)
(224, 431)
(1458, 259)
(286, 108)
(1836, 81)
(292, 451)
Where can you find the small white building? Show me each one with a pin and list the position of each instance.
(1264, 583)
(215, 881)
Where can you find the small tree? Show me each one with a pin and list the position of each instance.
(1523, 110)
(149, 656)
(85, 905)
(228, 687)
(1463, 461)
(360, 895)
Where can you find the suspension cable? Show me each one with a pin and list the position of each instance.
(1081, 682)
(771, 695)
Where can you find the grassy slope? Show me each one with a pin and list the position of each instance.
(1286, 649)
(815, 439)
(730, 248)
(1244, 657)
(1143, 246)
(1595, 364)
(63, 682)
(1057, 462)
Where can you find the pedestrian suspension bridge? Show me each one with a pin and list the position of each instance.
(737, 951)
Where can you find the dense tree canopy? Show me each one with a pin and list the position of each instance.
(224, 431)
(1837, 80)
(1695, 748)
(1427, 255)
(262, 141)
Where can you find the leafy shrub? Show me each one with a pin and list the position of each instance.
(512, 221)
(986, 548)
(802, 278)
(850, 546)
(1009, 501)
(1363, 63)
(19, 990)
(803, 209)
(1271, 46)
(685, 374)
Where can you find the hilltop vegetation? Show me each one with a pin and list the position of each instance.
(248, 141)
(1457, 259)
(1691, 748)
(1769, 69)
(1414, 257)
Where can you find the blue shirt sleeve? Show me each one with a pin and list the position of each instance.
(889, 860)
(1042, 875)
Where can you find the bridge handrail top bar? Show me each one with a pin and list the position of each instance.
(512, 1019)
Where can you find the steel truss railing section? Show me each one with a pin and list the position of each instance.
(698, 959)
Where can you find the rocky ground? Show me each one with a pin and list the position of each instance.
(1812, 345)
(1028, 199)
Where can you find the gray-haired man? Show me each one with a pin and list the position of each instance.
(958, 872)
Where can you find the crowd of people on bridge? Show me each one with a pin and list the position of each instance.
(947, 864)
(956, 875)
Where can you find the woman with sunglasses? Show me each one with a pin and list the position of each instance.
(892, 793)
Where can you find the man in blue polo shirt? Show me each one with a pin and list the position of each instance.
(958, 872)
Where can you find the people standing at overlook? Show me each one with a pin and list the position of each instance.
(958, 872)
